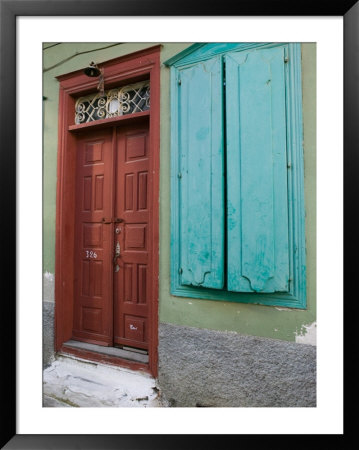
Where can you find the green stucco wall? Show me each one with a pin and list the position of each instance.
(272, 322)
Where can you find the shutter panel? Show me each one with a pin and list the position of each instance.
(201, 182)
(257, 208)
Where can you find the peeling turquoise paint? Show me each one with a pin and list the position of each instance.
(265, 256)
(201, 186)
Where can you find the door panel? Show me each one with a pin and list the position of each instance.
(131, 282)
(93, 239)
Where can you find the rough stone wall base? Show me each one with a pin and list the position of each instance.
(200, 367)
(48, 311)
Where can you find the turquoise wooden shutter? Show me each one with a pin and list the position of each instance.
(201, 182)
(257, 208)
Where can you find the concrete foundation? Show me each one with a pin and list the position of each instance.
(48, 311)
(202, 368)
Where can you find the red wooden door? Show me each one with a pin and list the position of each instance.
(93, 239)
(132, 287)
(112, 248)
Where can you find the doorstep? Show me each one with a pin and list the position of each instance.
(73, 382)
(130, 355)
(105, 355)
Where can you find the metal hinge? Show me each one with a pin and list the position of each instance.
(179, 175)
(179, 81)
(180, 271)
(286, 59)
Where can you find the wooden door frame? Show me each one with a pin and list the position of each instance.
(144, 64)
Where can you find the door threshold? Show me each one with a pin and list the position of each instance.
(109, 353)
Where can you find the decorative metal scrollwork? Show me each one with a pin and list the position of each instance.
(128, 99)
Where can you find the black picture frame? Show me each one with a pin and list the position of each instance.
(9, 10)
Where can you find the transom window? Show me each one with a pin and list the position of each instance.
(117, 102)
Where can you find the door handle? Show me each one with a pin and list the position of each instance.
(117, 252)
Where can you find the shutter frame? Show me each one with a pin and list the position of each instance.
(297, 295)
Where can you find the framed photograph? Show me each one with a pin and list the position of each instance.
(175, 179)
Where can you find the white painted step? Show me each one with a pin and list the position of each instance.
(71, 381)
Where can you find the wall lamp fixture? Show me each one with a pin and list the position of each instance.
(93, 71)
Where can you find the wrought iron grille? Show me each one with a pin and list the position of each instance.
(128, 99)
